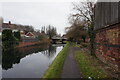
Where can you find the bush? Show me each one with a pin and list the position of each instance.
(17, 35)
(8, 39)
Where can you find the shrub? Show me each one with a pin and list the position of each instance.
(8, 39)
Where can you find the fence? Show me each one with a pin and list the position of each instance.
(29, 39)
(106, 13)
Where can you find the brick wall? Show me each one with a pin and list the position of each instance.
(107, 46)
(29, 39)
(25, 44)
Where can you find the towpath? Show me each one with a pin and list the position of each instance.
(70, 68)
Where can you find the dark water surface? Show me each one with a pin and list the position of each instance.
(28, 62)
(0, 62)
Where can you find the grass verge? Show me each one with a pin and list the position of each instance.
(87, 66)
(54, 70)
(74, 44)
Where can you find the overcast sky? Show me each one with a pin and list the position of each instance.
(38, 14)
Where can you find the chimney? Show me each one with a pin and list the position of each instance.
(9, 22)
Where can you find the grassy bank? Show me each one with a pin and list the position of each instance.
(74, 44)
(55, 69)
(88, 67)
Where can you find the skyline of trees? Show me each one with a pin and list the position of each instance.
(83, 16)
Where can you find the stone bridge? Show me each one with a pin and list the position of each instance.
(58, 39)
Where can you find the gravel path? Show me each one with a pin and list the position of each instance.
(70, 68)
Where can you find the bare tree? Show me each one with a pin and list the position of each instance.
(51, 31)
(83, 11)
(76, 33)
(84, 14)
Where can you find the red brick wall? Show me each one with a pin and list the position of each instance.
(24, 44)
(107, 46)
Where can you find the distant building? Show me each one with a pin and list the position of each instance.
(12, 27)
(16, 28)
(22, 33)
(30, 34)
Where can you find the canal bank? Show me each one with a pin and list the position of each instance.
(55, 69)
(76, 62)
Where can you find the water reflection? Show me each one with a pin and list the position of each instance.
(50, 52)
(16, 61)
(0, 62)
(11, 57)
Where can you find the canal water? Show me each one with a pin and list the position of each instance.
(28, 62)
(0, 62)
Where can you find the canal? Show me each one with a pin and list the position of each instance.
(28, 62)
